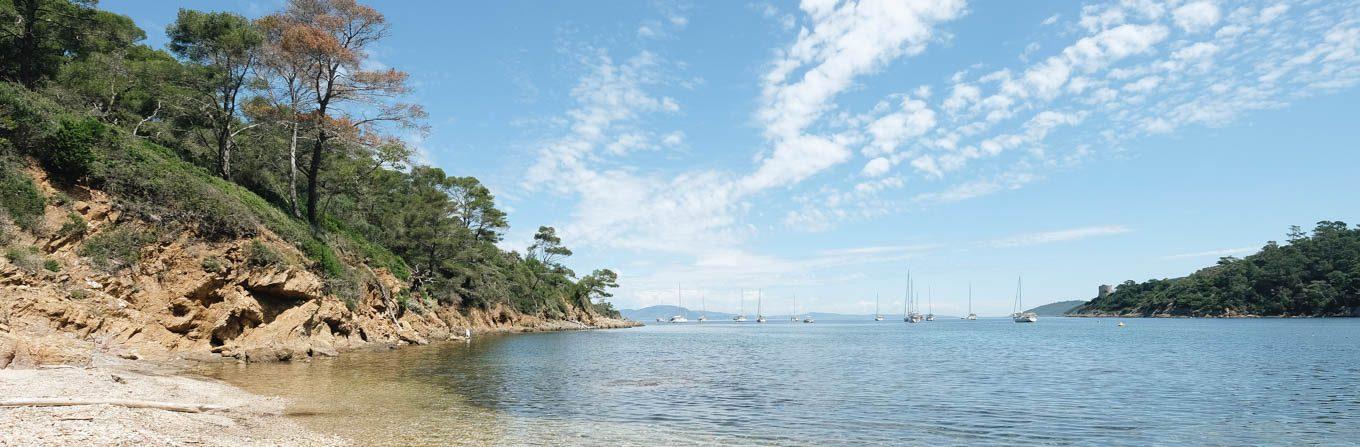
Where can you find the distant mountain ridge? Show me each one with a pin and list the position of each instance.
(1057, 309)
(664, 312)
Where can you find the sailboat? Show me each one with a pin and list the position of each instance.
(1021, 316)
(703, 304)
(878, 316)
(930, 304)
(742, 299)
(794, 316)
(679, 306)
(971, 315)
(759, 318)
(910, 314)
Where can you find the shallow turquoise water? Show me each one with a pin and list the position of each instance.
(1062, 381)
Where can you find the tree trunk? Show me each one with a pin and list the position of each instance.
(292, 172)
(28, 44)
(224, 151)
(313, 176)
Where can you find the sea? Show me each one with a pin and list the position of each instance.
(1061, 381)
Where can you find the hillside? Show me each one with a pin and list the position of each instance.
(1315, 274)
(206, 202)
(1057, 309)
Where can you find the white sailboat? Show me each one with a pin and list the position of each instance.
(679, 305)
(794, 316)
(930, 304)
(910, 314)
(703, 304)
(1020, 315)
(741, 317)
(759, 317)
(971, 315)
(878, 316)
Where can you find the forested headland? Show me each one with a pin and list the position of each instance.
(244, 128)
(1313, 274)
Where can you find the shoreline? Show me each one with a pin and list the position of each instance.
(1207, 317)
(86, 395)
(107, 395)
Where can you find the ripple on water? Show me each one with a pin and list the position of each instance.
(989, 382)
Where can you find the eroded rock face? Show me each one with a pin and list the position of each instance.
(197, 299)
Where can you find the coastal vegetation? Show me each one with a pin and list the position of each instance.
(1312, 274)
(242, 127)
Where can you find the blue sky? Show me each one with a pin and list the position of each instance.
(823, 148)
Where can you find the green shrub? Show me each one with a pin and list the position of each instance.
(25, 258)
(52, 265)
(75, 226)
(78, 294)
(115, 249)
(260, 254)
(71, 151)
(155, 182)
(345, 287)
(214, 265)
(19, 196)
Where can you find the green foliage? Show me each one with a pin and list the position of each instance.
(116, 249)
(214, 264)
(1317, 274)
(72, 151)
(260, 254)
(25, 258)
(19, 197)
(78, 294)
(75, 226)
(52, 265)
(152, 131)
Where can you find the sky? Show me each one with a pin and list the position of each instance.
(825, 148)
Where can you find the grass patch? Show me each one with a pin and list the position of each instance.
(19, 196)
(52, 265)
(260, 254)
(25, 258)
(75, 226)
(214, 265)
(116, 249)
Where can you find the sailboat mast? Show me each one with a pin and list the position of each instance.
(757, 302)
(679, 304)
(970, 298)
(742, 299)
(876, 299)
(930, 300)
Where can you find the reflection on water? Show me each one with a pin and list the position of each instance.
(1061, 381)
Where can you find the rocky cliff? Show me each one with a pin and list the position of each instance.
(192, 298)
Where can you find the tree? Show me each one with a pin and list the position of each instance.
(596, 285)
(333, 37)
(225, 46)
(547, 247)
(37, 36)
(282, 75)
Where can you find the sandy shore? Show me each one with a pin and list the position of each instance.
(244, 418)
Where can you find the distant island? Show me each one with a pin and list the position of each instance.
(1057, 309)
(651, 313)
(1313, 275)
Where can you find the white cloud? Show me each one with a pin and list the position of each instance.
(1025, 240)
(877, 167)
(844, 41)
(891, 130)
(1213, 253)
(1196, 16)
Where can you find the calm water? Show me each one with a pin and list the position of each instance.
(1059, 382)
